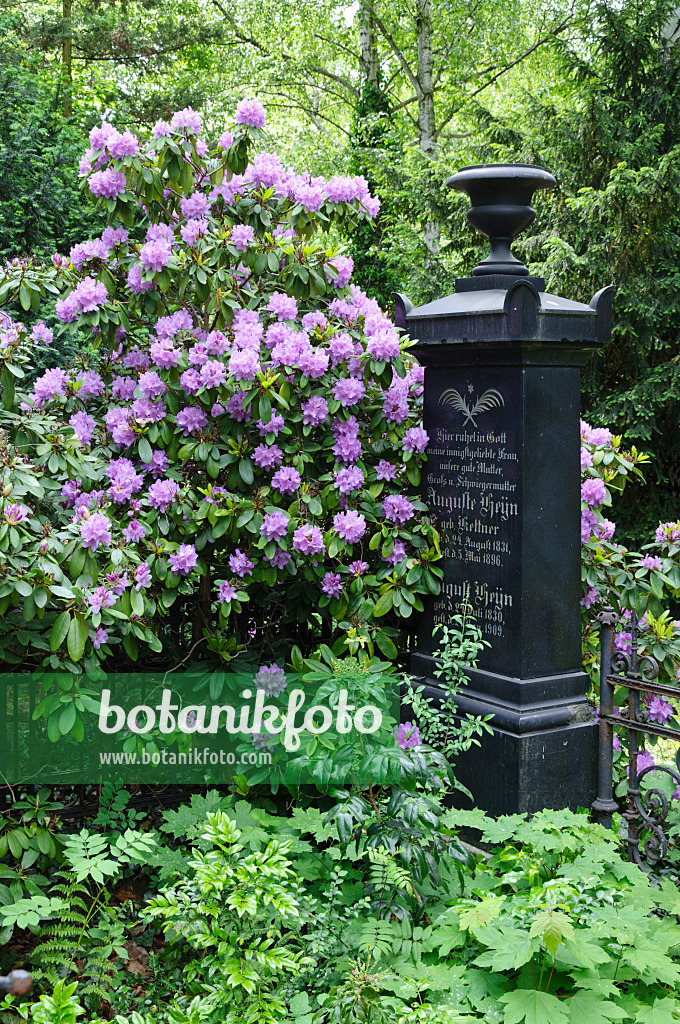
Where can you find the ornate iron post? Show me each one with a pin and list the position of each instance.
(605, 805)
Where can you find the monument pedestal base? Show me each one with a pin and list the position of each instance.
(543, 748)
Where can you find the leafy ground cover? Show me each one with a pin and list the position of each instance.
(250, 915)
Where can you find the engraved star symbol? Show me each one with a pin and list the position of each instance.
(471, 388)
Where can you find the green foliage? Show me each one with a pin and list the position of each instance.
(59, 1007)
(441, 727)
(42, 207)
(233, 908)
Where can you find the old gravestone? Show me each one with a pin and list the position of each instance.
(502, 481)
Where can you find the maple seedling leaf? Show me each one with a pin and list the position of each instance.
(552, 926)
(482, 913)
(534, 1008)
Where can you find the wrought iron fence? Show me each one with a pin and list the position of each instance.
(645, 805)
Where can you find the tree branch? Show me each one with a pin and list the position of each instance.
(396, 51)
(504, 70)
(295, 104)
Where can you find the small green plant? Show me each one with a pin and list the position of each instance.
(74, 920)
(61, 1007)
(439, 722)
(234, 910)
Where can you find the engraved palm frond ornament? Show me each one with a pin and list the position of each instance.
(490, 399)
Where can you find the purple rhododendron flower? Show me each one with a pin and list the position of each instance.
(666, 533)
(240, 564)
(117, 582)
(349, 479)
(213, 373)
(191, 419)
(142, 577)
(274, 525)
(385, 470)
(398, 509)
(183, 560)
(134, 531)
(286, 480)
(407, 735)
(155, 255)
(383, 344)
(332, 585)
(644, 760)
(591, 597)
(605, 529)
(280, 558)
(95, 530)
(308, 540)
(351, 526)
(226, 592)
(125, 481)
(151, 385)
(251, 113)
(122, 144)
(100, 638)
(267, 456)
(651, 562)
(593, 491)
(314, 411)
(283, 306)
(588, 522)
(186, 120)
(101, 598)
(135, 283)
(347, 447)
(349, 391)
(83, 426)
(659, 710)
(271, 679)
(15, 514)
(398, 553)
(235, 407)
(416, 440)
(273, 427)
(195, 205)
(52, 383)
(244, 364)
(344, 266)
(241, 236)
(107, 184)
(89, 385)
(41, 332)
(358, 568)
(162, 493)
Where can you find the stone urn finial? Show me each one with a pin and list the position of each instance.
(500, 195)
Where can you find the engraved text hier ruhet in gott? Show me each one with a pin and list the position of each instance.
(472, 485)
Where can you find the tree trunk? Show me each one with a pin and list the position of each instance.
(426, 120)
(426, 125)
(368, 51)
(67, 58)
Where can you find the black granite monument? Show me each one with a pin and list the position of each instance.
(502, 481)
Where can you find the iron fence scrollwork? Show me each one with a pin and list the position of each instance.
(646, 806)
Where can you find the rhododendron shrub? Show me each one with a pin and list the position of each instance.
(244, 449)
(643, 584)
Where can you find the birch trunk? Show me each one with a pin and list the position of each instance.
(426, 119)
(67, 58)
(426, 123)
(368, 51)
